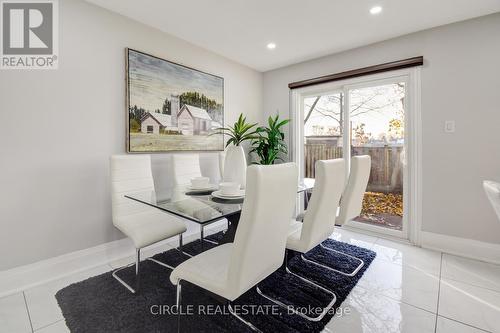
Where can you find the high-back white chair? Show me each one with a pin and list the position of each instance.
(492, 190)
(185, 167)
(352, 198)
(143, 224)
(229, 270)
(319, 222)
(129, 174)
(259, 243)
(319, 219)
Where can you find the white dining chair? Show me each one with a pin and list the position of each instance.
(319, 222)
(185, 167)
(144, 225)
(352, 198)
(350, 206)
(229, 270)
(492, 190)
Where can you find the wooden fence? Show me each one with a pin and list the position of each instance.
(386, 172)
(314, 152)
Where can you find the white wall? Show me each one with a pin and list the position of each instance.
(60, 127)
(461, 82)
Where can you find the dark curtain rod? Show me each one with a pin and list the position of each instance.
(389, 66)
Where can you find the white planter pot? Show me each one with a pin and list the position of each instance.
(235, 166)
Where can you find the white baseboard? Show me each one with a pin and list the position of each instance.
(24, 277)
(469, 248)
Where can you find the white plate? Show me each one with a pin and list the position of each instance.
(202, 189)
(239, 195)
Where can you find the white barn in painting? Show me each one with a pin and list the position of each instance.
(188, 120)
(151, 123)
(192, 120)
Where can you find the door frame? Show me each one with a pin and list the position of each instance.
(412, 196)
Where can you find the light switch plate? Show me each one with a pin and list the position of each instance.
(449, 126)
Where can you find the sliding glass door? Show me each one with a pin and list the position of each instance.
(360, 117)
(377, 123)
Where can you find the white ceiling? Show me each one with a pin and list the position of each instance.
(301, 29)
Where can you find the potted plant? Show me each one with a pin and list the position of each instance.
(270, 143)
(235, 163)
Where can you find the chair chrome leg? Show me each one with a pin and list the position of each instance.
(178, 294)
(178, 305)
(115, 275)
(203, 239)
(312, 283)
(249, 324)
(290, 307)
(137, 260)
(137, 264)
(354, 272)
(160, 263)
(201, 236)
(211, 241)
(180, 247)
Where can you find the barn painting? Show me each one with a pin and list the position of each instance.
(172, 107)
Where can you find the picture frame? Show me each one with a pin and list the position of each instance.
(171, 107)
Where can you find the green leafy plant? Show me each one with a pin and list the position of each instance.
(241, 131)
(270, 144)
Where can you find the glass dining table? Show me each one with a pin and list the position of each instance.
(201, 207)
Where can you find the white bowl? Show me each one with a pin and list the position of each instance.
(200, 182)
(229, 188)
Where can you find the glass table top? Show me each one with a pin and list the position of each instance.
(199, 207)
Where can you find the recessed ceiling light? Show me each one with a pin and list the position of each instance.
(271, 46)
(375, 10)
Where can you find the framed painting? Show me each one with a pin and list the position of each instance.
(171, 107)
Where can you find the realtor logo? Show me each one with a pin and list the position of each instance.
(29, 34)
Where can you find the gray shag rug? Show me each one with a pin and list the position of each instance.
(102, 304)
